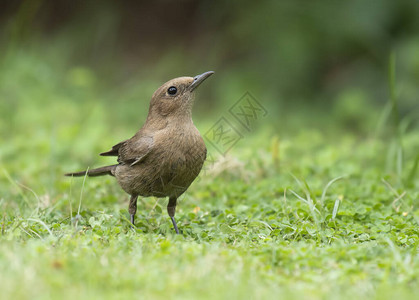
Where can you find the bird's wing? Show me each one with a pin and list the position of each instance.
(114, 151)
(134, 150)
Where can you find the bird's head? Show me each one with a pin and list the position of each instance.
(175, 98)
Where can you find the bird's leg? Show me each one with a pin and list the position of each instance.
(171, 209)
(132, 208)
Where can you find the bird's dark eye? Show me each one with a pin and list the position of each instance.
(172, 90)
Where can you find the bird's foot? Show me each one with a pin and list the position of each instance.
(132, 218)
(174, 224)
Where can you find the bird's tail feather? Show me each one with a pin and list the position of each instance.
(107, 170)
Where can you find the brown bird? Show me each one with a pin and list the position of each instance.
(166, 155)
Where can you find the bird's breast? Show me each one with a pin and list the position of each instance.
(174, 162)
(184, 150)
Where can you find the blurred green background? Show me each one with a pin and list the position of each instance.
(324, 55)
(76, 77)
(68, 67)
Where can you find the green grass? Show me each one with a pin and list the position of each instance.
(310, 212)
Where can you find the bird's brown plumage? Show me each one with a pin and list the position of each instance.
(166, 155)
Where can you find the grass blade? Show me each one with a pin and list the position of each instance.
(327, 187)
(336, 208)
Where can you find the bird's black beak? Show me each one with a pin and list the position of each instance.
(199, 79)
